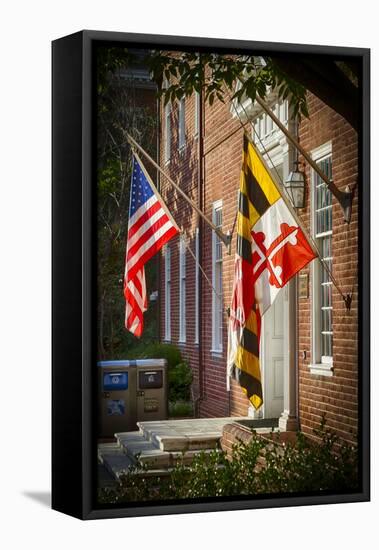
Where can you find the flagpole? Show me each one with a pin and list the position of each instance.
(226, 239)
(345, 198)
(299, 222)
(346, 298)
(164, 205)
(285, 199)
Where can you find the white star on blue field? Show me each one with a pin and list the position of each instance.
(140, 189)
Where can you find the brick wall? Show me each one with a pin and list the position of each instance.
(221, 168)
(338, 394)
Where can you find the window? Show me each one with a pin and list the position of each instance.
(182, 124)
(167, 143)
(167, 264)
(322, 303)
(269, 126)
(197, 285)
(182, 290)
(197, 113)
(217, 302)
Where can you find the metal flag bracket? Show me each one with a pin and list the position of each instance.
(226, 239)
(347, 298)
(345, 199)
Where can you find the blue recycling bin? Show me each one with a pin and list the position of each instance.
(117, 397)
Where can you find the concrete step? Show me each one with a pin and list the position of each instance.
(138, 449)
(183, 435)
(186, 443)
(114, 460)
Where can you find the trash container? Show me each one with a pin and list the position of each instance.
(117, 397)
(152, 394)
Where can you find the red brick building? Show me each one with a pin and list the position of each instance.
(309, 352)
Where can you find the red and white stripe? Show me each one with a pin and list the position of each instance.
(149, 229)
(136, 302)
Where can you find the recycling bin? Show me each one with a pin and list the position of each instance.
(152, 395)
(117, 397)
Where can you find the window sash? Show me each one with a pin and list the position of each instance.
(167, 142)
(197, 114)
(167, 293)
(182, 124)
(197, 285)
(322, 306)
(217, 266)
(182, 291)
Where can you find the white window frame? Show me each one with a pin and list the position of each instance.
(197, 285)
(182, 124)
(182, 290)
(197, 114)
(167, 263)
(217, 265)
(320, 365)
(167, 130)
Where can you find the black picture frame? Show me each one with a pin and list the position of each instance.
(74, 266)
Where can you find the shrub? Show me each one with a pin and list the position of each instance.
(179, 382)
(158, 351)
(257, 467)
(180, 408)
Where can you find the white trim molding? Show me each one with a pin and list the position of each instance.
(181, 124)
(167, 133)
(217, 316)
(167, 258)
(320, 365)
(197, 285)
(196, 114)
(182, 290)
(321, 369)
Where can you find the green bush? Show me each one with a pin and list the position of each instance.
(258, 467)
(158, 351)
(179, 382)
(180, 408)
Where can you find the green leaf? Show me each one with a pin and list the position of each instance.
(220, 97)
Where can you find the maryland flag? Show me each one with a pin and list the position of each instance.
(271, 249)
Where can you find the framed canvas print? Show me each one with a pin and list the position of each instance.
(210, 274)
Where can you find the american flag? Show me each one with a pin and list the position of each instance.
(150, 227)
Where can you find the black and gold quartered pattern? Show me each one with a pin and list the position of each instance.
(257, 193)
(246, 369)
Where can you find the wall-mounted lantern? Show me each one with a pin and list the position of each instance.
(295, 186)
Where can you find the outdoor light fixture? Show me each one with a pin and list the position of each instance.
(295, 185)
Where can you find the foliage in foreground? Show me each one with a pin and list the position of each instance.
(180, 409)
(258, 467)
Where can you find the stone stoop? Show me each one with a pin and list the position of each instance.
(158, 445)
(114, 460)
(185, 435)
(139, 449)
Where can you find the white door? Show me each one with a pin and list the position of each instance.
(272, 358)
